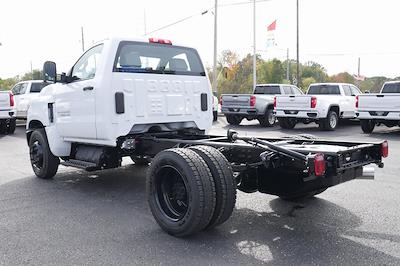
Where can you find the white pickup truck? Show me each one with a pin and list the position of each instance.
(259, 105)
(382, 108)
(150, 100)
(324, 104)
(24, 92)
(7, 113)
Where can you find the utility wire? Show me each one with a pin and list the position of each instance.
(203, 13)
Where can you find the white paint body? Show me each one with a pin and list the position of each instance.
(5, 105)
(89, 116)
(299, 106)
(23, 99)
(382, 106)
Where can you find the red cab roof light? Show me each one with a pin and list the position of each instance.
(161, 41)
(319, 164)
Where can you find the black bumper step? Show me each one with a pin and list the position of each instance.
(88, 166)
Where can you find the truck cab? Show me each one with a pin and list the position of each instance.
(120, 87)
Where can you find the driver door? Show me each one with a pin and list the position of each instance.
(75, 104)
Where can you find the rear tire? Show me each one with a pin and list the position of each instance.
(303, 196)
(268, 119)
(180, 191)
(234, 119)
(44, 163)
(367, 126)
(225, 184)
(12, 124)
(330, 122)
(287, 123)
(3, 126)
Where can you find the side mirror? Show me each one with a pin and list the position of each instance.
(50, 71)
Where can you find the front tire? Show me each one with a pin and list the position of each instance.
(44, 163)
(180, 191)
(268, 119)
(367, 126)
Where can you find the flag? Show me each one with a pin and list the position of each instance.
(272, 26)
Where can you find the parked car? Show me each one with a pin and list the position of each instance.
(149, 99)
(7, 113)
(324, 104)
(215, 106)
(382, 108)
(259, 105)
(24, 92)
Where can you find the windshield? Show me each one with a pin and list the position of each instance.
(37, 87)
(136, 57)
(267, 90)
(324, 89)
(391, 88)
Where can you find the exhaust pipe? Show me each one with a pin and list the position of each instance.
(368, 173)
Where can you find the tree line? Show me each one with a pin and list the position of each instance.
(7, 84)
(236, 75)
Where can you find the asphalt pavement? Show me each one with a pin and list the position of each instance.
(102, 218)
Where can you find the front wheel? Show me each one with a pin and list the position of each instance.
(268, 119)
(367, 126)
(44, 163)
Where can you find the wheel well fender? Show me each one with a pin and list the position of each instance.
(33, 124)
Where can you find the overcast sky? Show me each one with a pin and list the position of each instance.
(333, 32)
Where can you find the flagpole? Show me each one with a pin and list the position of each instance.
(214, 81)
(254, 46)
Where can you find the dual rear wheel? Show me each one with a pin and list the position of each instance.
(190, 189)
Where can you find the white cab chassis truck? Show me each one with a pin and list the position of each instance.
(7, 113)
(380, 109)
(324, 104)
(150, 100)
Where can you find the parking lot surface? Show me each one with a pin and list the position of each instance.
(102, 218)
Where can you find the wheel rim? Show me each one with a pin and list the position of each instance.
(332, 121)
(171, 193)
(36, 154)
(271, 118)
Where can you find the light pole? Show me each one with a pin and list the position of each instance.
(214, 83)
(298, 60)
(254, 46)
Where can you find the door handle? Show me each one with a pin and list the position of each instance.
(89, 88)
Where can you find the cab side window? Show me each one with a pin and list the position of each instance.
(23, 88)
(355, 91)
(347, 90)
(287, 90)
(86, 66)
(15, 89)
